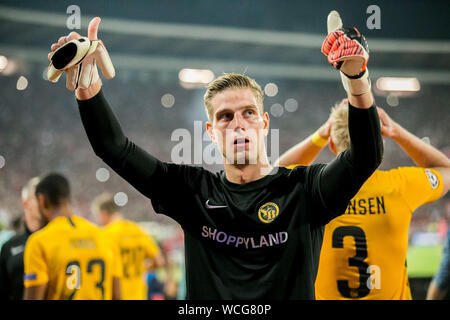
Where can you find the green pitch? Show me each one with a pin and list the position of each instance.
(423, 261)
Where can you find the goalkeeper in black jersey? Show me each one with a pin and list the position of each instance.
(252, 231)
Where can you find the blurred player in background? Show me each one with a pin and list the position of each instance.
(364, 251)
(70, 258)
(138, 251)
(438, 288)
(11, 257)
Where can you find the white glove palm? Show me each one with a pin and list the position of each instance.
(78, 57)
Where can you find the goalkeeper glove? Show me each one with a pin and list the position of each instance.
(347, 50)
(79, 58)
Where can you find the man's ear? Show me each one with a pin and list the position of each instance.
(266, 120)
(209, 128)
(25, 203)
(42, 201)
(103, 216)
(331, 145)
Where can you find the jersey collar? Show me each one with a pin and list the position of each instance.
(254, 185)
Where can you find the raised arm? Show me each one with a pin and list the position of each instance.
(340, 180)
(93, 89)
(423, 154)
(304, 152)
(102, 127)
(110, 144)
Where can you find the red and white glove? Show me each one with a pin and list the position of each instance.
(347, 50)
(79, 58)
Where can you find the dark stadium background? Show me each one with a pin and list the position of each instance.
(272, 41)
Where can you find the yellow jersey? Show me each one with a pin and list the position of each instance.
(135, 246)
(363, 253)
(75, 260)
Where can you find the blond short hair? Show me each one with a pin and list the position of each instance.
(230, 81)
(105, 202)
(30, 188)
(339, 126)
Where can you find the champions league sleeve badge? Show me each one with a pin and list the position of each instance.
(434, 181)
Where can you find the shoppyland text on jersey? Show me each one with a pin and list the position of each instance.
(266, 240)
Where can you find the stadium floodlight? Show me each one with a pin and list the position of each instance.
(22, 83)
(3, 63)
(194, 78)
(121, 199)
(271, 89)
(10, 66)
(168, 100)
(396, 84)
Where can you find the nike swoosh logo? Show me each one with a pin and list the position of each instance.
(209, 206)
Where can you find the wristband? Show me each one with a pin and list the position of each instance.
(317, 140)
(356, 86)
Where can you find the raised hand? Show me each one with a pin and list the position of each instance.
(78, 56)
(347, 50)
(387, 125)
(325, 129)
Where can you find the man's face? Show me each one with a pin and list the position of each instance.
(102, 217)
(238, 128)
(33, 218)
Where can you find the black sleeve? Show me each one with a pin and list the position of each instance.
(110, 144)
(4, 283)
(337, 183)
(153, 178)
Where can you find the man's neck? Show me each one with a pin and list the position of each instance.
(63, 211)
(115, 217)
(245, 173)
(31, 227)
